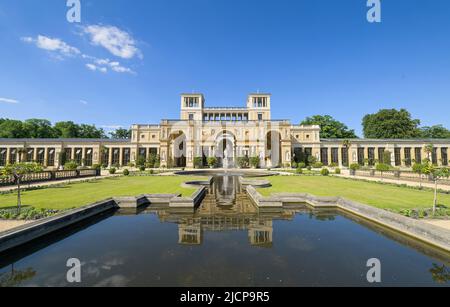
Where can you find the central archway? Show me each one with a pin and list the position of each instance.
(226, 149)
(178, 149)
(273, 148)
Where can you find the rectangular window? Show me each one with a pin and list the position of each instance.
(298, 155)
(361, 155)
(51, 157)
(381, 155)
(88, 156)
(78, 156)
(12, 155)
(143, 153)
(371, 156)
(308, 154)
(40, 156)
(335, 155)
(3, 157)
(434, 159)
(153, 151)
(104, 156)
(115, 156)
(68, 154)
(126, 156)
(444, 154)
(324, 156)
(191, 116)
(398, 157)
(408, 156)
(418, 154)
(260, 116)
(29, 157)
(345, 156)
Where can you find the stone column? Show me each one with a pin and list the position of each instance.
(121, 157)
(45, 157)
(340, 157)
(57, 153)
(110, 155)
(329, 155)
(439, 156)
(83, 156)
(35, 153)
(8, 154)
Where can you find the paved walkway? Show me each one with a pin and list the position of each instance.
(10, 224)
(440, 223)
(50, 183)
(386, 180)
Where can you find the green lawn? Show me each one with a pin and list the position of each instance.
(80, 194)
(378, 195)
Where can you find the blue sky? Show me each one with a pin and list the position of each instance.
(128, 61)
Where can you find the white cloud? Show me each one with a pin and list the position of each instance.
(52, 45)
(114, 66)
(96, 68)
(8, 100)
(84, 102)
(116, 41)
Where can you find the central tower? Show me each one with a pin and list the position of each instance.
(258, 106)
(192, 106)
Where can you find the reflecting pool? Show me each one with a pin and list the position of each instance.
(227, 241)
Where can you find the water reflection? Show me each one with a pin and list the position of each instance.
(228, 208)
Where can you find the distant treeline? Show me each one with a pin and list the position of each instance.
(43, 129)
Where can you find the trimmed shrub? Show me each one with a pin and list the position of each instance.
(212, 162)
(299, 170)
(294, 164)
(112, 170)
(126, 172)
(301, 165)
(355, 166)
(141, 168)
(254, 162)
(70, 166)
(325, 172)
(242, 162)
(198, 162)
(309, 168)
(337, 171)
(318, 165)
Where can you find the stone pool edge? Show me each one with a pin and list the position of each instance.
(34, 230)
(430, 234)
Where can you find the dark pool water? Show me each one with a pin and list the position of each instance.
(227, 241)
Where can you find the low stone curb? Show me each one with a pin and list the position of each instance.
(430, 234)
(26, 233)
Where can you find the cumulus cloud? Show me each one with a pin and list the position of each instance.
(96, 68)
(113, 65)
(8, 100)
(52, 44)
(116, 41)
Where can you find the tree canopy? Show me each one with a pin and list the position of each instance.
(435, 132)
(390, 124)
(121, 134)
(330, 127)
(43, 129)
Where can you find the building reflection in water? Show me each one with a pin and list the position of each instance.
(226, 207)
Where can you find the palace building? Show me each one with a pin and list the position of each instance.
(226, 133)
